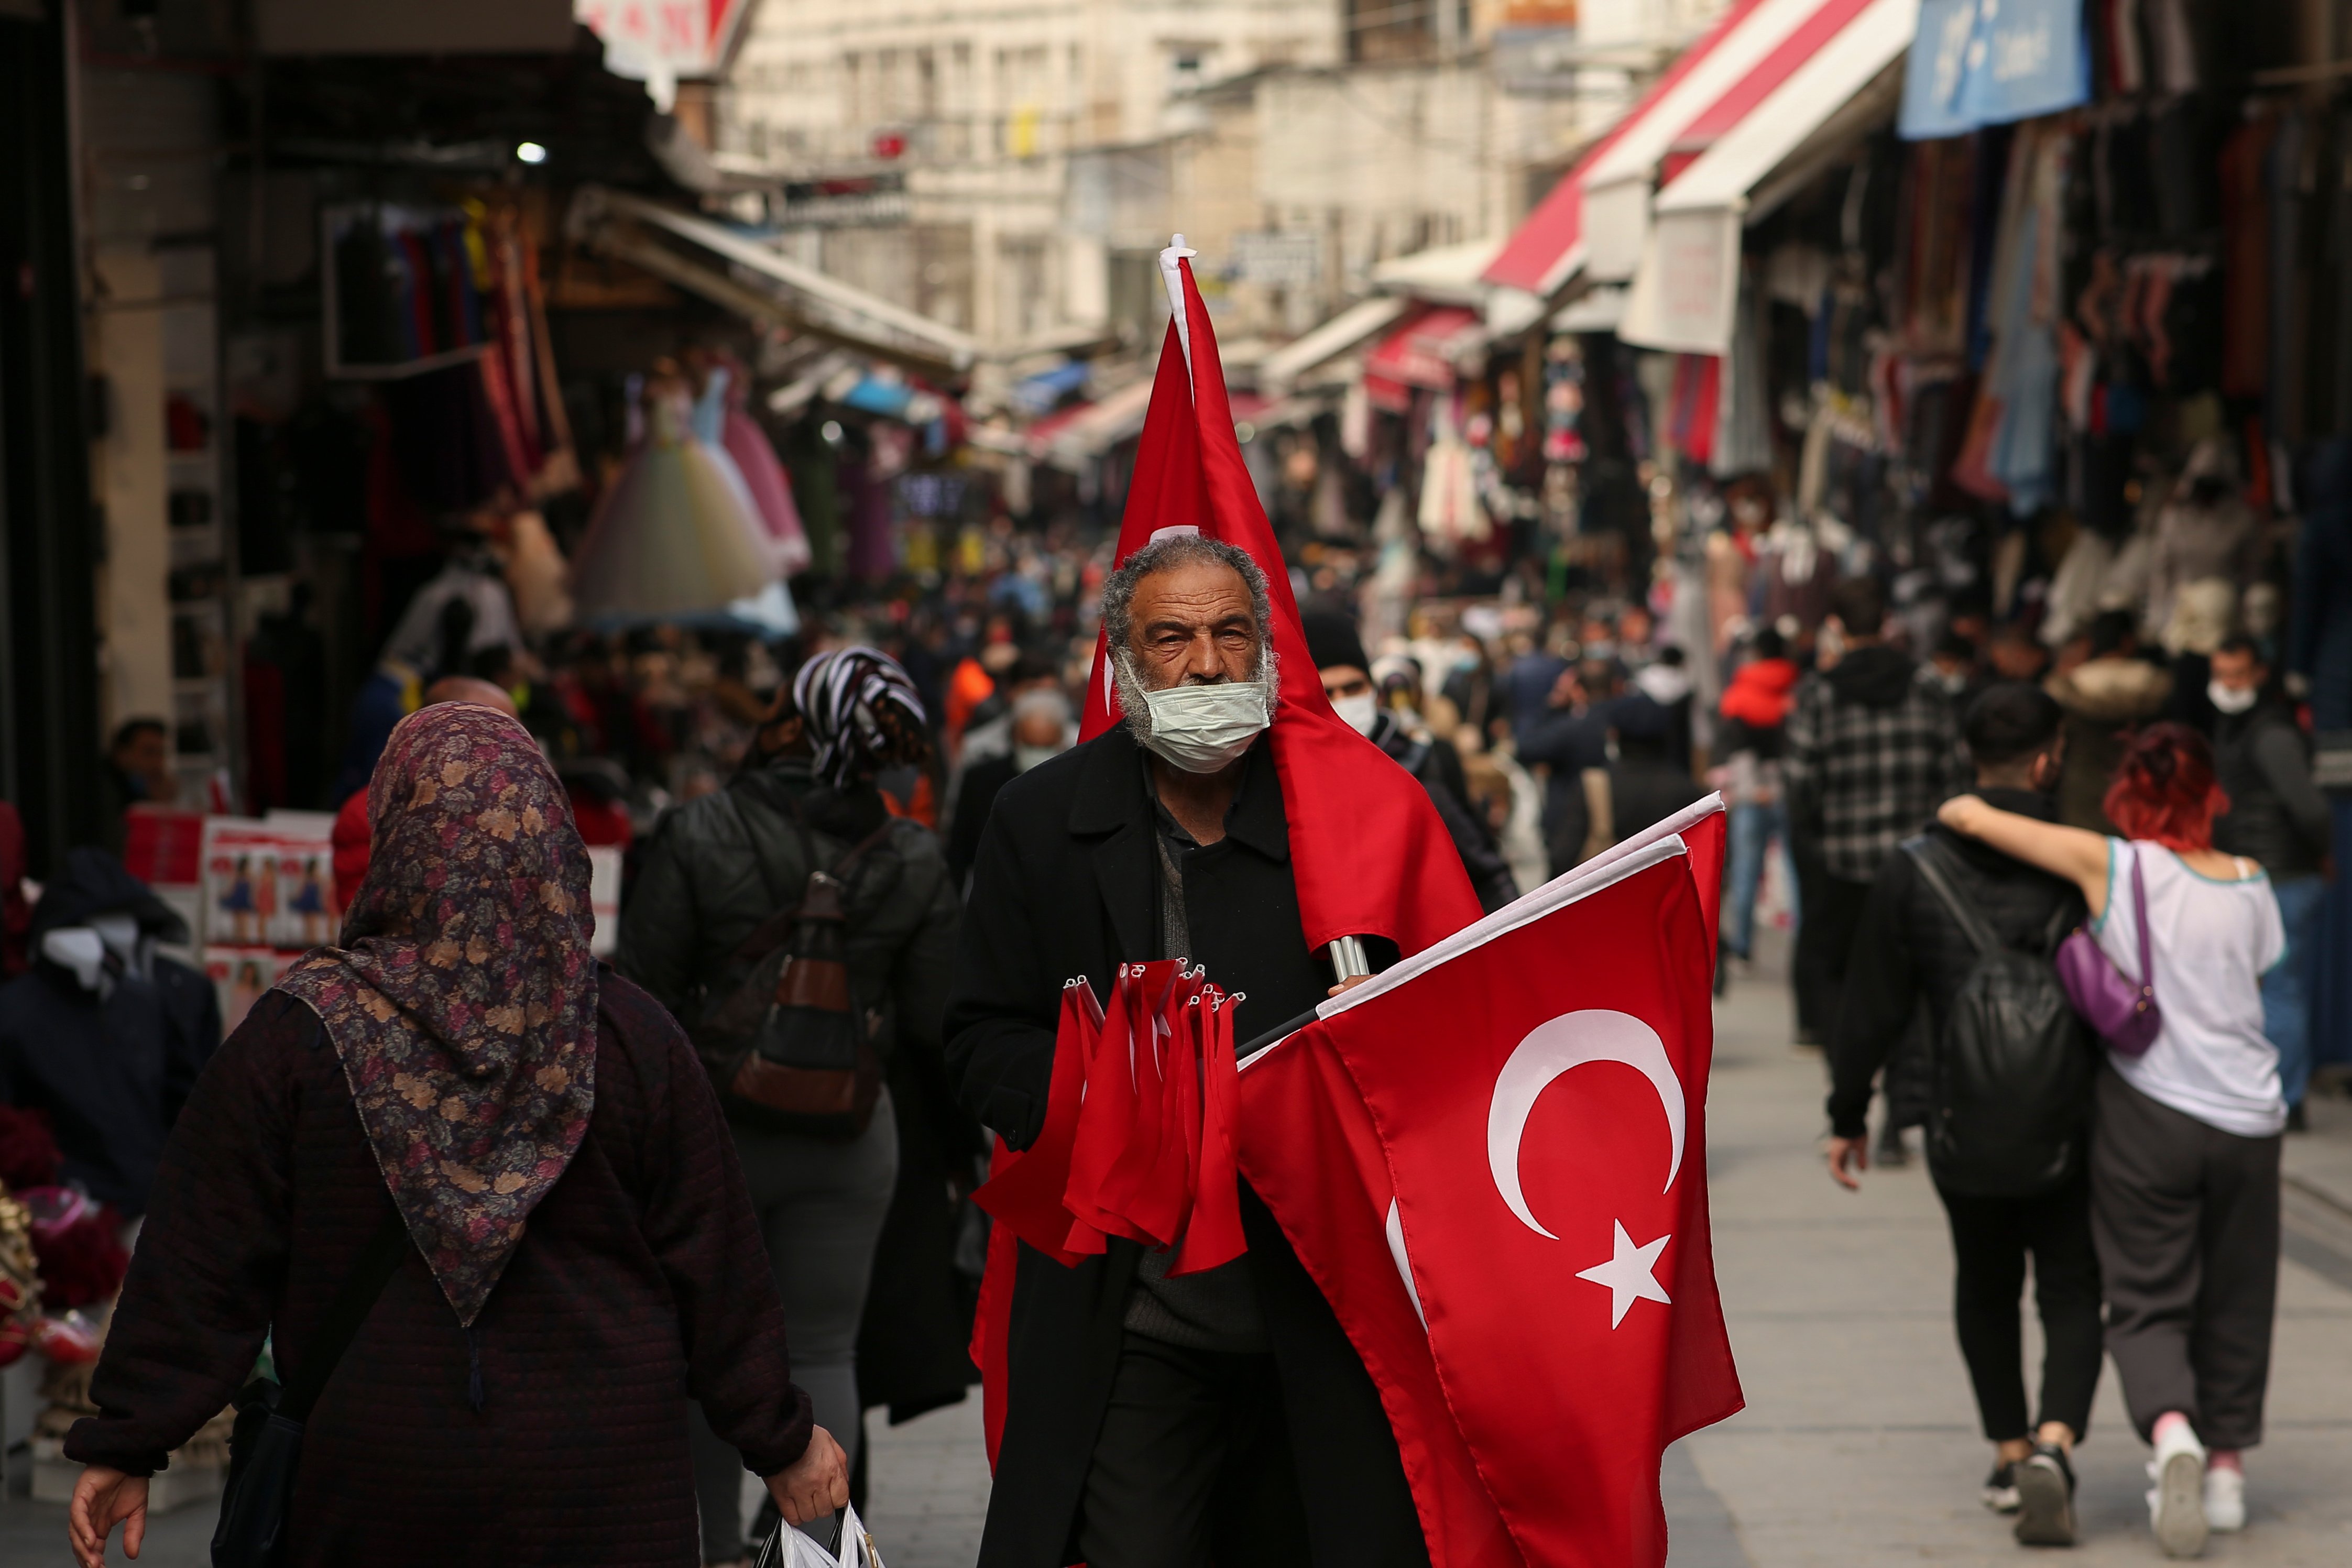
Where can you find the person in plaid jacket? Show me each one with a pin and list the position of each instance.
(1872, 747)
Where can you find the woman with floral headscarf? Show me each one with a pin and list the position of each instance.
(583, 1253)
(869, 1204)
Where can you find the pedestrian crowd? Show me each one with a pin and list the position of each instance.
(1980, 863)
(860, 864)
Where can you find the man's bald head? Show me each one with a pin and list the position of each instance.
(469, 689)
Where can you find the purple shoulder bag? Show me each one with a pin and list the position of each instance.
(2123, 1011)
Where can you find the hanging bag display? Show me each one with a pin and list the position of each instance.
(265, 1449)
(2123, 1011)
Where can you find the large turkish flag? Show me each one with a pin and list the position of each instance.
(1536, 1089)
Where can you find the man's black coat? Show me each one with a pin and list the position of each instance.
(1065, 884)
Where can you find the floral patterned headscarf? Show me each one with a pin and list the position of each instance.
(462, 1000)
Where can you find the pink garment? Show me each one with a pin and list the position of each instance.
(771, 488)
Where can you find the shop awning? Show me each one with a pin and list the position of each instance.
(1754, 46)
(1282, 368)
(1425, 352)
(1442, 274)
(1549, 248)
(809, 300)
(1835, 78)
(1069, 438)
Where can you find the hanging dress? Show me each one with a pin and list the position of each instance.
(740, 436)
(676, 534)
(770, 610)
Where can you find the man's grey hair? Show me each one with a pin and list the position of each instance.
(1163, 555)
(1180, 549)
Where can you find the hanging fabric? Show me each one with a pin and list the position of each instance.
(675, 534)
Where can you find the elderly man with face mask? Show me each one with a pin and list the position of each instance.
(1221, 1416)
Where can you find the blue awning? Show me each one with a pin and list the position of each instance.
(1041, 393)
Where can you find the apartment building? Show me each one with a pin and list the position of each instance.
(1010, 167)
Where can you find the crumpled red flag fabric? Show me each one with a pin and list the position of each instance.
(1139, 1137)
(1549, 1218)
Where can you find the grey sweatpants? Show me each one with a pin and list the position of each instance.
(821, 1206)
(2185, 1220)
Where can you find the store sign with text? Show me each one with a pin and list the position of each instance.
(661, 41)
(1989, 62)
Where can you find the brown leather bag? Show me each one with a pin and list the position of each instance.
(792, 1047)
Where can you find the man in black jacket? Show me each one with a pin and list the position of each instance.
(1871, 747)
(1220, 1416)
(1911, 950)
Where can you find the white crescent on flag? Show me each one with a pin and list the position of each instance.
(1550, 1049)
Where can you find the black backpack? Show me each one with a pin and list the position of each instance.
(2013, 1062)
(791, 1044)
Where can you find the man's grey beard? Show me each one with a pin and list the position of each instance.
(1127, 680)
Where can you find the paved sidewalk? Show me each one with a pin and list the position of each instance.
(1859, 1445)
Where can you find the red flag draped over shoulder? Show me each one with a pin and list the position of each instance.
(1370, 855)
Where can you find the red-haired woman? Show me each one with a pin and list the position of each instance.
(2185, 1146)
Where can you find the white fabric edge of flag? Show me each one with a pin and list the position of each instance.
(1171, 273)
(1662, 842)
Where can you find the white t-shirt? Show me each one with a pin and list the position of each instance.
(2209, 942)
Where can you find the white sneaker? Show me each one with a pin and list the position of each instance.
(2176, 1505)
(2225, 1500)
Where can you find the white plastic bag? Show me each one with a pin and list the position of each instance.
(789, 1548)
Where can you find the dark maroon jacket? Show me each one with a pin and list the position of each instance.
(640, 1280)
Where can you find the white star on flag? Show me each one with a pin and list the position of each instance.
(1630, 1273)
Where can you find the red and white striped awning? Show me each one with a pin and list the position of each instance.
(1774, 71)
(1830, 83)
(1549, 248)
(1427, 351)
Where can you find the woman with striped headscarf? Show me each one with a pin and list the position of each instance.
(715, 872)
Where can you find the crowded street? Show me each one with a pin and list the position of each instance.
(1255, 784)
(1856, 1445)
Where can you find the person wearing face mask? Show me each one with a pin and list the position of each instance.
(102, 1035)
(1339, 655)
(2278, 819)
(1039, 725)
(1159, 1422)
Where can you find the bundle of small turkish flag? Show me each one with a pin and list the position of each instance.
(1140, 1126)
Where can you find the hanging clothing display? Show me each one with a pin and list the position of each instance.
(535, 572)
(738, 447)
(489, 616)
(741, 437)
(676, 534)
(1450, 513)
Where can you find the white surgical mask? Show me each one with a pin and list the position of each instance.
(1359, 713)
(2230, 699)
(1026, 757)
(1202, 730)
